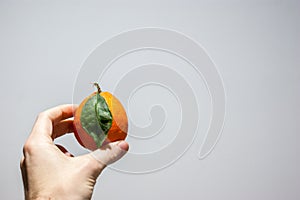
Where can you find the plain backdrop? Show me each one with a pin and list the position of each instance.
(255, 45)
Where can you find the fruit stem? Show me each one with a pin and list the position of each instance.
(98, 87)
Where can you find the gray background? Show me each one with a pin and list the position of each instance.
(255, 45)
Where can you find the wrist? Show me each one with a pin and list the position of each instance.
(40, 198)
(55, 196)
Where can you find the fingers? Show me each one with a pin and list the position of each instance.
(63, 127)
(50, 118)
(59, 113)
(110, 153)
(64, 150)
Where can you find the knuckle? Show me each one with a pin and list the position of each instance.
(41, 115)
(28, 148)
(95, 165)
(22, 162)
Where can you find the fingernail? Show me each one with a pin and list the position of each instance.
(123, 145)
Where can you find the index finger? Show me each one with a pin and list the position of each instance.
(49, 118)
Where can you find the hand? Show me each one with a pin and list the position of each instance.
(50, 172)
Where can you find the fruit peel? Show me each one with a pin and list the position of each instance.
(100, 119)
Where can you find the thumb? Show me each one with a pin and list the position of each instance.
(110, 153)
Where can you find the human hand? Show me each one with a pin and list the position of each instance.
(50, 172)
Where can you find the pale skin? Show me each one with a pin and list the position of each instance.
(50, 171)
